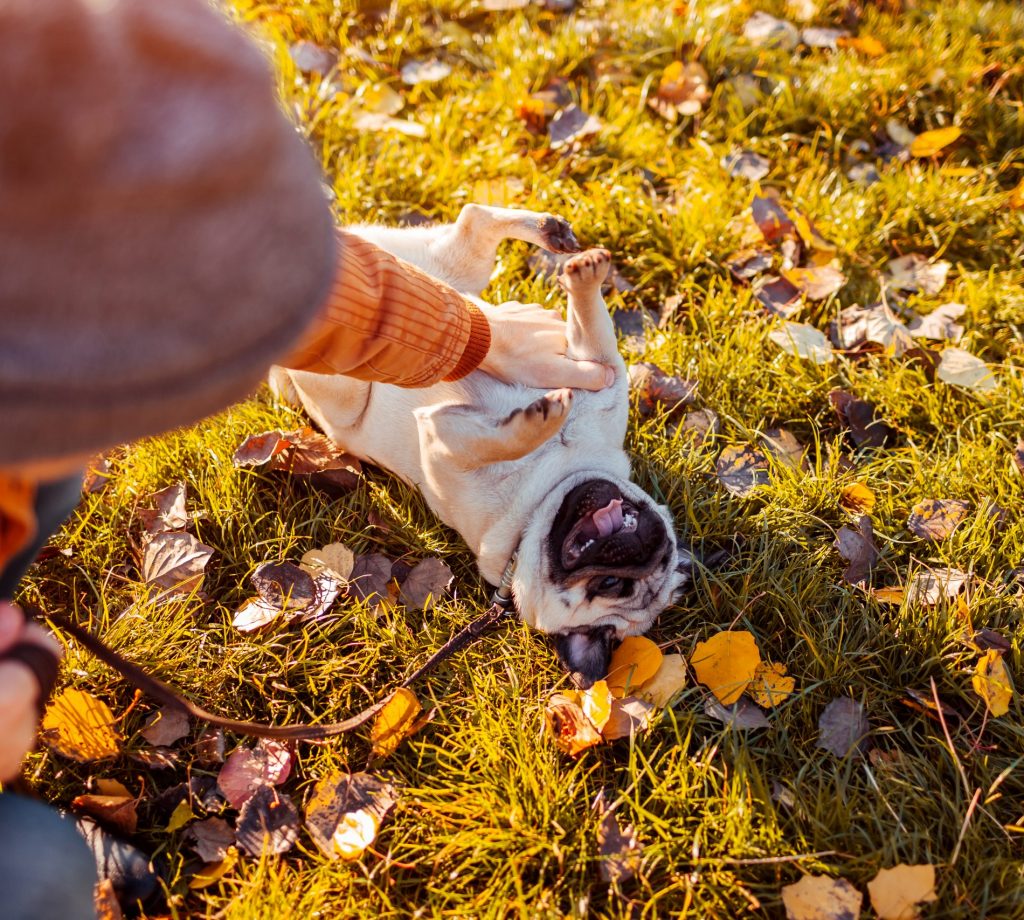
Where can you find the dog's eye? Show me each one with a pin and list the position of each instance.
(609, 583)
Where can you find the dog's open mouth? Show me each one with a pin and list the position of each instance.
(617, 516)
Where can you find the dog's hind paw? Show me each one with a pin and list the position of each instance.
(586, 271)
(557, 235)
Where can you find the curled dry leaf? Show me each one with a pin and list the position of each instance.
(682, 90)
(816, 282)
(211, 839)
(395, 722)
(858, 548)
(857, 326)
(268, 823)
(818, 897)
(991, 682)
(914, 272)
(896, 892)
(618, 847)
(763, 30)
(779, 296)
(570, 125)
(370, 577)
(843, 727)
(742, 469)
(116, 812)
(866, 427)
(632, 664)
(669, 679)
(335, 558)
(302, 452)
(175, 561)
(749, 263)
(166, 726)
(940, 325)
(746, 164)
(572, 730)
(962, 369)
(771, 685)
(247, 769)
(803, 341)
(742, 715)
(931, 142)
(653, 387)
(857, 498)
(771, 219)
(726, 663)
(936, 518)
(346, 812)
(627, 717)
(169, 513)
(782, 444)
(427, 583)
(429, 71)
(78, 725)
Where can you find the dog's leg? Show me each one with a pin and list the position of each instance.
(590, 332)
(472, 440)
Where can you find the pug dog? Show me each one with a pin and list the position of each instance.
(541, 476)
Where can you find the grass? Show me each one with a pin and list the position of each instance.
(493, 821)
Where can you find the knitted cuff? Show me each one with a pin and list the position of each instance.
(476, 348)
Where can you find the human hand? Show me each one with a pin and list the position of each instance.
(528, 346)
(19, 690)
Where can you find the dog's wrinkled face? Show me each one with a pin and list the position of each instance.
(598, 562)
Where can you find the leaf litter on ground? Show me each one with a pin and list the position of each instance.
(858, 548)
(726, 663)
(843, 727)
(742, 469)
(346, 811)
(819, 897)
(896, 892)
(936, 518)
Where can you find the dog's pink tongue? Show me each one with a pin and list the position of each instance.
(609, 518)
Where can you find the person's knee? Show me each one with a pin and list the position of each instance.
(46, 869)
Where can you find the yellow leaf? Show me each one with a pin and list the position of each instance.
(857, 498)
(597, 704)
(573, 731)
(112, 787)
(1016, 200)
(355, 832)
(633, 663)
(214, 872)
(866, 44)
(670, 679)
(770, 685)
(809, 233)
(895, 892)
(931, 142)
(992, 683)
(893, 594)
(80, 726)
(393, 723)
(179, 817)
(818, 897)
(726, 664)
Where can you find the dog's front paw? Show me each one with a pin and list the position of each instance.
(557, 235)
(586, 271)
(550, 407)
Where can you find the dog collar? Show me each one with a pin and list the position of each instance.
(502, 595)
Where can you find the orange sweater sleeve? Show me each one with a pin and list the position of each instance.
(387, 321)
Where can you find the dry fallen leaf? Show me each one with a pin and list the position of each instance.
(763, 30)
(116, 812)
(682, 90)
(843, 727)
(211, 839)
(803, 341)
(816, 282)
(939, 325)
(818, 897)
(936, 518)
(856, 326)
(618, 847)
(79, 726)
(175, 561)
(370, 577)
(633, 663)
(702, 424)
(742, 715)
(857, 498)
(395, 722)
(858, 548)
(167, 725)
(169, 513)
(654, 387)
(572, 124)
(742, 469)
(866, 427)
(669, 679)
(268, 823)
(726, 663)
(771, 685)
(746, 164)
(782, 444)
(991, 682)
(914, 272)
(335, 558)
(247, 769)
(961, 368)
(346, 812)
(820, 37)
(429, 71)
(627, 717)
(895, 892)
(771, 219)
(212, 873)
(778, 296)
(931, 142)
(426, 584)
(596, 702)
(572, 730)
(748, 263)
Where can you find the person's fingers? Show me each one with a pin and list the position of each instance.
(42, 637)
(12, 623)
(584, 375)
(18, 692)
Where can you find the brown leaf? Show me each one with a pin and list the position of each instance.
(617, 846)
(858, 548)
(816, 282)
(914, 272)
(115, 812)
(346, 811)
(857, 326)
(742, 469)
(701, 424)
(572, 730)
(175, 560)
(653, 387)
(302, 452)
(247, 769)
(210, 746)
(370, 577)
(771, 219)
(166, 726)
(927, 587)
(570, 125)
(268, 823)
(211, 838)
(426, 584)
(169, 513)
(284, 585)
(97, 475)
(860, 416)
(940, 324)
(936, 518)
(844, 727)
(748, 263)
(785, 448)
(779, 296)
(746, 164)
(741, 715)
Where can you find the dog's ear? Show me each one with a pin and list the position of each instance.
(586, 654)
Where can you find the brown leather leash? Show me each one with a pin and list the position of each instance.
(501, 609)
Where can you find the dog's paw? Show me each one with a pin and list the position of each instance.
(557, 236)
(538, 421)
(551, 406)
(586, 271)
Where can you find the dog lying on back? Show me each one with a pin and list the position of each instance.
(516, 470)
